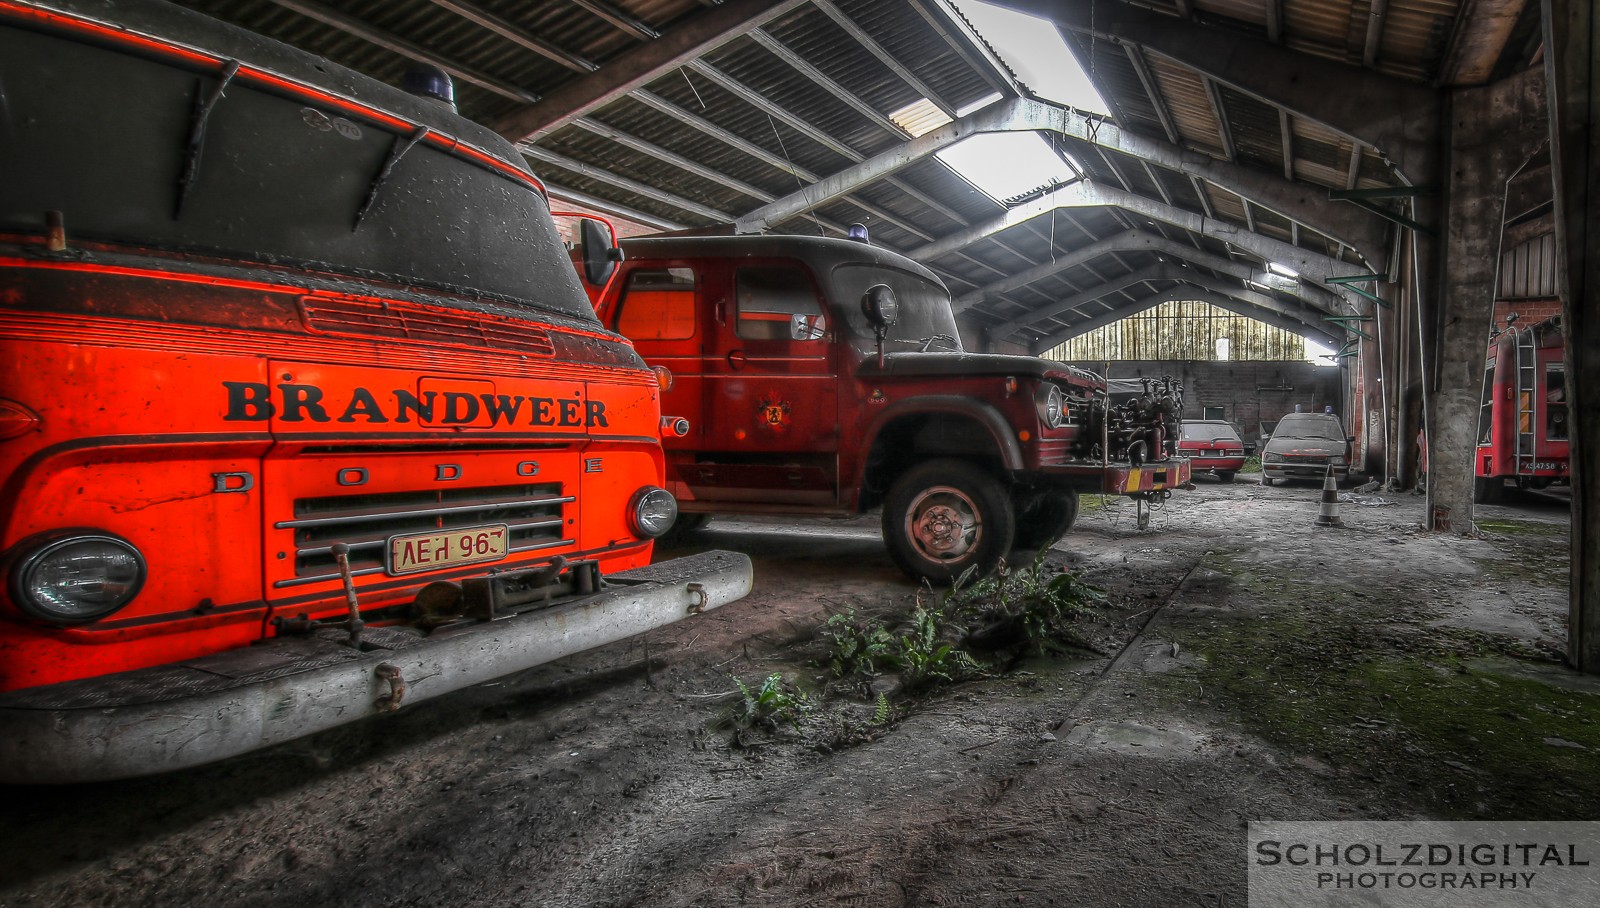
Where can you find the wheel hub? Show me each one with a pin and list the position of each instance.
(944, 525)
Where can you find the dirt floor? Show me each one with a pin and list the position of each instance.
(1244, 665)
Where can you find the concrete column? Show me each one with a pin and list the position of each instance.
(1572, 64)
(1373, 424)
(1492, 131)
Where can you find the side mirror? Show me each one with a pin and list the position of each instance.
(600, 251)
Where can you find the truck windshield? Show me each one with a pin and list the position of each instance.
(282, 178)
(1309, 427)
(925, 318)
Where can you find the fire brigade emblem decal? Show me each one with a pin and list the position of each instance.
(775, 412)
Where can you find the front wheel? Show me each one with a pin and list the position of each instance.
(1225, 475)
(944, 517)
(1266, 480)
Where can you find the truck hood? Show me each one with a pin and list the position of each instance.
(946, 363)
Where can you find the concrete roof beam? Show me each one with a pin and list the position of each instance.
(1301, 203)
(1144, 241)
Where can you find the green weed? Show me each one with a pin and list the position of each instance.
(774, 702)
(857, 646)
(926, 657)
(1031, 606)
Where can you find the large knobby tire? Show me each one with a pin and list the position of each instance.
(942, 517)
(1044, 517)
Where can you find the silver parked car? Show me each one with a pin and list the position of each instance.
(1303, 445)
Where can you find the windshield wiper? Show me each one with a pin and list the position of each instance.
(927, 342)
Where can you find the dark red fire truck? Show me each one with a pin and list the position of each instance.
(826, 377)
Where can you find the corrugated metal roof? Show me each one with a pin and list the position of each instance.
(758, 117)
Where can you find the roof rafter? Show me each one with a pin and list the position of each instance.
(352, 26)
(887, 59)
(702, 33)
(1220, 111)
(517, 35)
(1141, 68)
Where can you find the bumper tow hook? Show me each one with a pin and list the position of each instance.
(397, 687)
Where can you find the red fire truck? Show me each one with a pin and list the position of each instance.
(826, 377)
(303, 413)
(1523, 428)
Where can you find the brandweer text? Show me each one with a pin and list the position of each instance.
(255, 401)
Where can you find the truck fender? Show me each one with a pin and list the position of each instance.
(1005, 443)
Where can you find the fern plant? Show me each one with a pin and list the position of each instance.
(857, 646)
(925, 656)
(765, 707)
(1031, 606)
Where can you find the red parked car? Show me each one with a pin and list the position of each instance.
(1212, 446)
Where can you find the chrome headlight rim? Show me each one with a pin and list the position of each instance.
(33, 554)
(1050, 405)
(651, 512)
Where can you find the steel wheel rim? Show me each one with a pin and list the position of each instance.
(943, 524)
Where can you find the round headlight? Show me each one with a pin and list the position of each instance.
(78, 578)
(1048, 400)
(653, 512)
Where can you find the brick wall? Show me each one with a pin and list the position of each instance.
(1529, 312)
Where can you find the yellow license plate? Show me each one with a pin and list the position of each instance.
(417, 552)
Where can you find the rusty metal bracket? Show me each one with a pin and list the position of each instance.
(341, 556)
(701, 600)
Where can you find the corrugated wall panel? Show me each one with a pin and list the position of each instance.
(1529, 270)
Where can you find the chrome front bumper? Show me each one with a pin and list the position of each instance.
(183, 715)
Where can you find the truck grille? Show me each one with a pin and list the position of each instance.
(365, 522)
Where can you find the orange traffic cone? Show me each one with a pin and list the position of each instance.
(1328, 514)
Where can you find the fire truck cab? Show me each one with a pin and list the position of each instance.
(304, 415)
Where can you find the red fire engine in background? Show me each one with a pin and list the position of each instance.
(1523, 426)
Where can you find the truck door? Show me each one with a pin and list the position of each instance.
(772, 415)
(660, 311)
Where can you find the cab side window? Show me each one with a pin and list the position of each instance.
(658, 304)
(777, 303)
(1555, 402)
